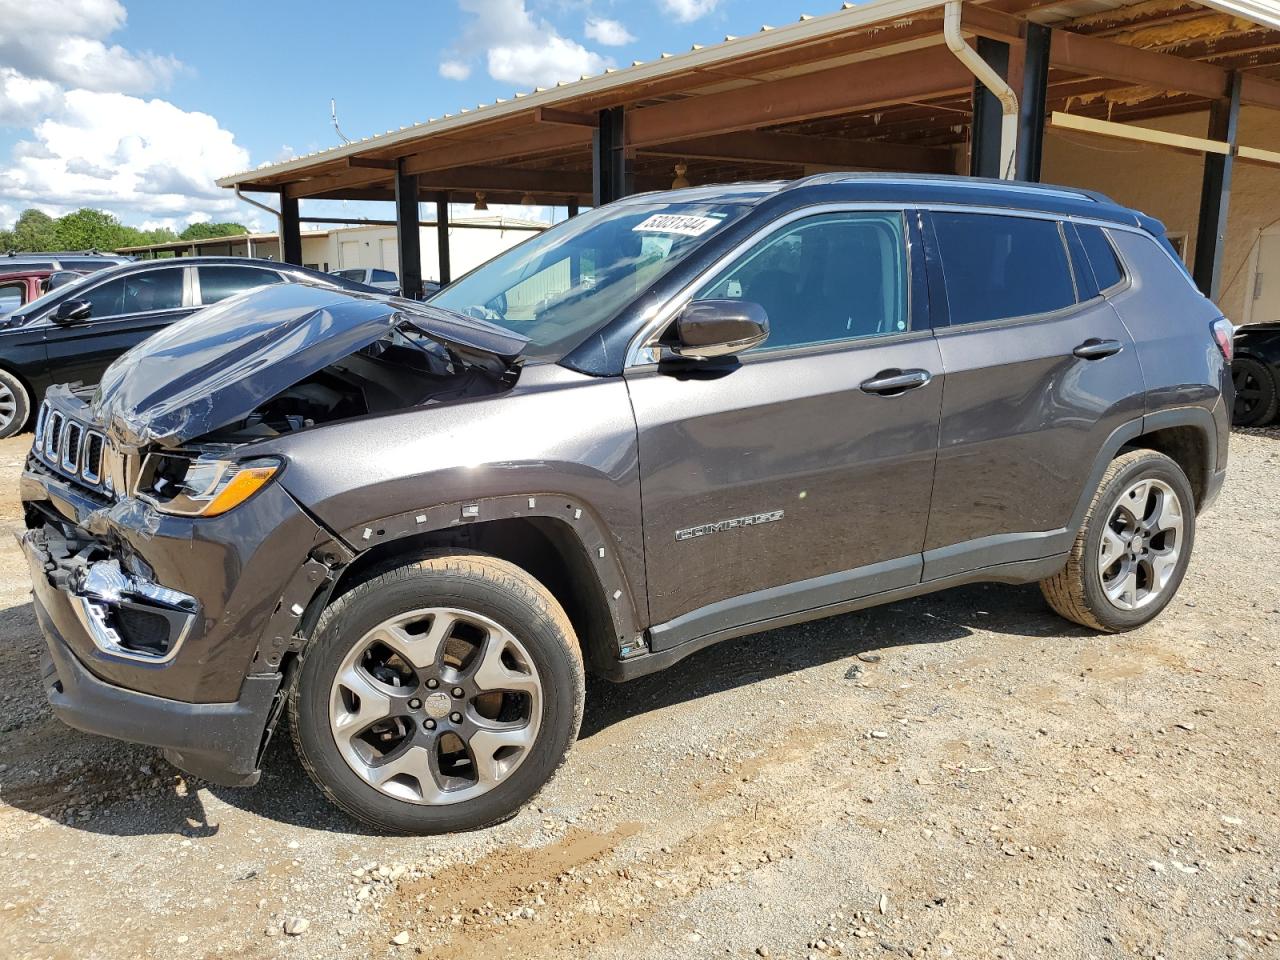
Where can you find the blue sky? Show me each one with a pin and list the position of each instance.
(136, 106)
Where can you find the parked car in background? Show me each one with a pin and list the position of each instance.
(1256, 374)
(82, 261)
(670, 421)
(73, 332)
(19, 286)
(383, 279)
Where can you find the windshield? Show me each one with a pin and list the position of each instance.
(559, 287)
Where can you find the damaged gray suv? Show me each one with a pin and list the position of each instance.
(675, 420)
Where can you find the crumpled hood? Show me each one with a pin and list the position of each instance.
(219, 364)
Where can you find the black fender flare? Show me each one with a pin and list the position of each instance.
(599, 546)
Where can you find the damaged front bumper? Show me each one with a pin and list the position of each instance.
(171, 631)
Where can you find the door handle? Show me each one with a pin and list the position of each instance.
(1095, 349)
(890, 383)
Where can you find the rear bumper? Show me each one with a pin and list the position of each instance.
(216, 741)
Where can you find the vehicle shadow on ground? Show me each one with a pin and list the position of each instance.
(169, 802)
(938, 618)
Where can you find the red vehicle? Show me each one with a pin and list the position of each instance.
(21, 285)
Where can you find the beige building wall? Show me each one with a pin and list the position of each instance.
(1166, 185)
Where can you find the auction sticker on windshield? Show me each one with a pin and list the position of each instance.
(680, 223)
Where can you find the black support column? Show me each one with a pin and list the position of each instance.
(984, 148)
(1215, 193)
(573, 207)
(609, 174)
(408, 240)
(442, 237)
(1033, 104)
(290, 231)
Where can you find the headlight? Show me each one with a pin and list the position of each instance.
(202, 486)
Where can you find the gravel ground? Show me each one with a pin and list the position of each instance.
(959, 775)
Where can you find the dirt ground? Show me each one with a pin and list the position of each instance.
(959, 775)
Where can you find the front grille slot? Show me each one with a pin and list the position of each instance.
(53, 440)
(71, 440)
(91, 459)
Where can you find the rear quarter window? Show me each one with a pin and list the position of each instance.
(1102, 256)
(1001, 266)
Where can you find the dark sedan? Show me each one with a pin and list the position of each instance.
(72, 333)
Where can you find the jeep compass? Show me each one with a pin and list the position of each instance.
(409, 530)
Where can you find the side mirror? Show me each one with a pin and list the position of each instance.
(72, 311)
(719, 328)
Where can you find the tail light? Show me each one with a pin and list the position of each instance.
(1223, 332)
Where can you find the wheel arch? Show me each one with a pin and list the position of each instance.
(1187, 436)
(554, 539)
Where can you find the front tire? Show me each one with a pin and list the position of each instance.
(1133, 548)
(438, 696)
(15, 405)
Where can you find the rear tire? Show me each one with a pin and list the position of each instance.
(15, 405)
(438, 696)
(1256, 393)
(1133, 548)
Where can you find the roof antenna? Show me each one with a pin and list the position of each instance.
(333, 117)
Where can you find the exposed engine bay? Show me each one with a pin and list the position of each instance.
(404, 369)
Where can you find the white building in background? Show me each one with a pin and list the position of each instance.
(472, 241)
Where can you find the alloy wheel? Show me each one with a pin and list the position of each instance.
(8, 407)
(1141, 544)
(436, 706)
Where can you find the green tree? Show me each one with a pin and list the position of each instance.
(202, 231)
(88, 229)
(34, 231)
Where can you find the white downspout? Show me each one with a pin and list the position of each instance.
(951, 20)
(274, 213)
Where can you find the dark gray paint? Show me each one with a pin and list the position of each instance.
(981, 473)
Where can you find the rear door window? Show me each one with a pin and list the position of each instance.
(383, 276)
(218, 283)
(1001, 266)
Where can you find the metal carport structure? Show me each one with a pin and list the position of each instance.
(886, 85)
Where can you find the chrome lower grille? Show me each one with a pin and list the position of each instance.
(72, 448)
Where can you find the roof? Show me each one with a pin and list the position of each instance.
(529, 143)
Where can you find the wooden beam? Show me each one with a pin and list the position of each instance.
(549, 139)
(333, 181)
(1260, 92)
(372, 163)
(846, 89)
(783, 148)
(1257, 155)
(1093, 56)
(566, 117)
(985, 22)
(1125, 131)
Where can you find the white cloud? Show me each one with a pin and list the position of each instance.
(686, 11)
(22, 97)
(68, 49)
(519, 48)
(140, 159)
(454, 69)
(609, 32)
(91, 142)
